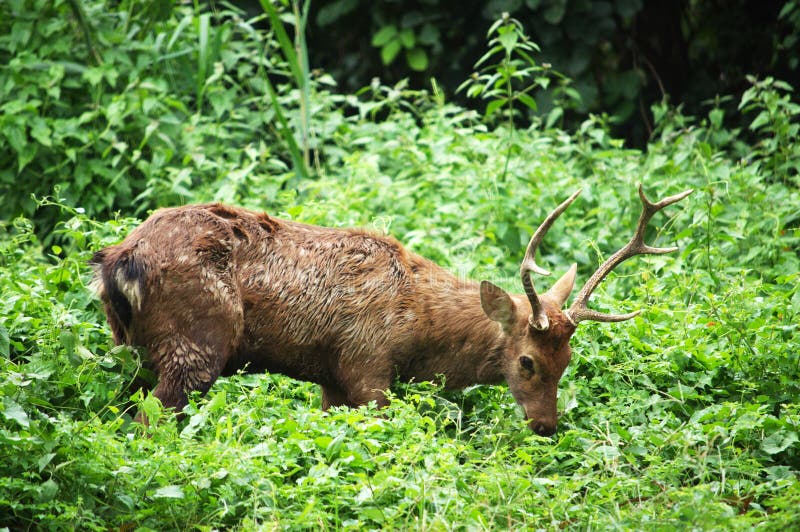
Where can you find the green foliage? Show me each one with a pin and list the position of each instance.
(623, 55)
(498, 82)
(142, 110)
(685, 417)
(777, 125)
(296, 57)
(391, 41)
(508, 75)
(786, 43)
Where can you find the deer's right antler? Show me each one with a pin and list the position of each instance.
(538, 319)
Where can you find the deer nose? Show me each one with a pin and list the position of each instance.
(542, 429)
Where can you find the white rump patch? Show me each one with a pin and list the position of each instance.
(130, 289)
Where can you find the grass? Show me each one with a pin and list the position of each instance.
(686, 417)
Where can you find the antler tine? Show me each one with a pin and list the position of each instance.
(578, 311)
(538, 318)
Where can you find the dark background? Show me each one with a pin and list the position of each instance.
(622, 55)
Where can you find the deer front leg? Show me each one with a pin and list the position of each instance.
(369, 389)
(356, 396)
(366, 381)
(333, 396)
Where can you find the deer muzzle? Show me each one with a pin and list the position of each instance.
(543, 427)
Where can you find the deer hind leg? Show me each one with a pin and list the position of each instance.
(185, 365)
(190, 345)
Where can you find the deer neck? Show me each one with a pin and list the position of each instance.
(456, 339)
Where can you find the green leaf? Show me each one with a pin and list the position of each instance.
(795, 307)
(715, 116)
(779, 442)
(333, 11)
(68, 341)
(44, 460)
(748, 95)
(508, 40)
(384, 35)
(48, 490)
(287, 47)
(25, 156)
(787, 8)
(15, 135)
(528, 101)
(202, 47)
(761, 120)
(13, 412)
(493, 106)
(5, 349)
(407, 38)
(218, 401)
(151, 407)
(93, 76)
(286, 132)
(417, 59)
(373, 514)
(322, 442)
(169, 492)
(428, 35)
(390, 51)
(553, 117)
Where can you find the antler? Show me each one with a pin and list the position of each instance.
(578, 311)
(538, 318)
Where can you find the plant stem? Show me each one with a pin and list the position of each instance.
(303, 83)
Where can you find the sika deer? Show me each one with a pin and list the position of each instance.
(211, 289)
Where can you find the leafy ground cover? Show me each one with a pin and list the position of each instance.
(686, 417)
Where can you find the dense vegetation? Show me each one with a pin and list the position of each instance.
(686, 417)
(621, 55)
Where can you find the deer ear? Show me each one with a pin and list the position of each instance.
(562, 288)
(497, 304)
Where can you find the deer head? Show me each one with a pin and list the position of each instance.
(536, 331)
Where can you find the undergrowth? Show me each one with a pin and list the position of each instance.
(685, 417)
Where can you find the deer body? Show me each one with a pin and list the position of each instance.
(208, 290)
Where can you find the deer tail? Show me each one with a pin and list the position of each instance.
(119, 280)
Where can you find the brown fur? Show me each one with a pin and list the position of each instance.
(210, 289)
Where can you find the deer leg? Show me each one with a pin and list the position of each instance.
(359, 379)
(356, 389)
(333, 396)
(183, 367)
(370, 392)
(363, 387)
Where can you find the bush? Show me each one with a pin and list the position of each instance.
(131, 108)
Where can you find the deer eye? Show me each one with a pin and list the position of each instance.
(526, 362)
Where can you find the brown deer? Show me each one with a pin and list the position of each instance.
(210, 289)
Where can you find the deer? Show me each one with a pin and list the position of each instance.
(209, 289)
